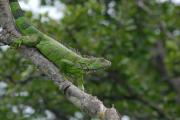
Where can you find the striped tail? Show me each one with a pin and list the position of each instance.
(16, 9)
(18, 15)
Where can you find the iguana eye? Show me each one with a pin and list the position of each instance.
(102, 60)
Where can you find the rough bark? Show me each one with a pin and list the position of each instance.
(86, 102)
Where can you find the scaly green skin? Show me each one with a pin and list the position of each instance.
(68, 61)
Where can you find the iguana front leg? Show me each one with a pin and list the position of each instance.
(69, 67)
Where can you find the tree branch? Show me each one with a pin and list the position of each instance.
(86, 102)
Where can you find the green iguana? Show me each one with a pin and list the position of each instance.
(69, 62)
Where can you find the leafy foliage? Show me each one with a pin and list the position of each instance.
(141, 39)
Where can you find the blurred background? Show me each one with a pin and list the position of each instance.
(140, 37)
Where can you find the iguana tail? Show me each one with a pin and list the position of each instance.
(18, 15)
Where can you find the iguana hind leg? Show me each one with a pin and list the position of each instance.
(32, 40)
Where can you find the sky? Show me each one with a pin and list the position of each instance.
(175, 1)
(55, 12)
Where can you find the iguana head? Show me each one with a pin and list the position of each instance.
(96, 64)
